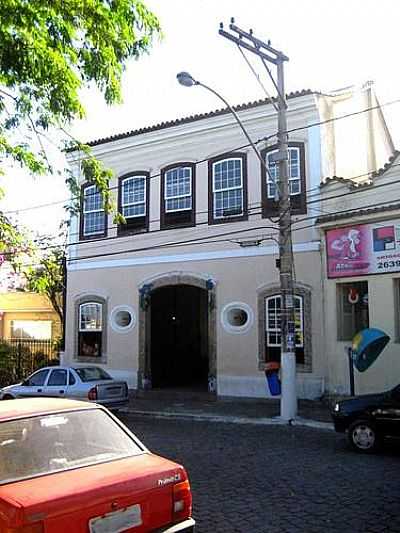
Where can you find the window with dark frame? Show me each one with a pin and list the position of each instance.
(273, 328)
(352, 310)
(90, 329)
(93, 216)
(228, 188)
(133, 202)
(177, 203)
(297, 180)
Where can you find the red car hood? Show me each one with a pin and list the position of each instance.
(88, 492)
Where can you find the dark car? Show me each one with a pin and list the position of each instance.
(368, 418)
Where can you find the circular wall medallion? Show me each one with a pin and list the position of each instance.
(122, 318)
(237, 317)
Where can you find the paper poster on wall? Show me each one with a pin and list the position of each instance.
(363, 249)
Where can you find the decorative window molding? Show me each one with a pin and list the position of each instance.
(352, 309)
(273, 339)
(93, 218)
(227, 188)
(90, 329)
(237, 317)
(134, 202)
(269, 330)
(122, 319)
(297, 180)
(178, 195)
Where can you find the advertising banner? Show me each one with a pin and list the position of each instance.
(363, 249)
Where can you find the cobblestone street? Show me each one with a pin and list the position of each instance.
(270, 479)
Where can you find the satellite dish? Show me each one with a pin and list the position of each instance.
(367, 345)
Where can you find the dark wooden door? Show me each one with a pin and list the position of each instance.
(178, 327)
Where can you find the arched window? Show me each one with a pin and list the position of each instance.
(90, 329)
(133, 202)
(93, 217)
(273, 328)
(178, 195)
(227, 189)
(297, 179)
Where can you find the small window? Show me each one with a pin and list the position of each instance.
(31, 329)
(133, 202)
(122, 318)
(237, 317)
(93, 217)
(71, 380)
(177, 195)
(353, 311)
(38, 379)
(57, 378)
(228, 185)
(90, 329)
(273, 328)
(297, 180)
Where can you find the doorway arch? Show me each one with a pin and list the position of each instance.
(156, 290)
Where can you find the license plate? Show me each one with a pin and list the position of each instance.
(118, 521)
(114, 391)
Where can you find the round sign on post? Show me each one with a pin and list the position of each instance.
(367, 345)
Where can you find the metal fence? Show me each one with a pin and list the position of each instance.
(21, 357)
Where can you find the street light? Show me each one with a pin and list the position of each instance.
(187, 80)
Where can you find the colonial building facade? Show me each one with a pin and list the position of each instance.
(186, 293)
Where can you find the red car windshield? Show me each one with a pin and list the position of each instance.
(45, 444)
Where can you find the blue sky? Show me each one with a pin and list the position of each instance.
(330, 45)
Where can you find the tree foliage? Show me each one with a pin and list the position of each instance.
(49, 51)
(47, 278)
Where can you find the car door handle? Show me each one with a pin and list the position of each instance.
(61, 392)
(39, 390)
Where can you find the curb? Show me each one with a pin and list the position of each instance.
(275, 421)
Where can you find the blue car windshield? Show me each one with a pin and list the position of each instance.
(92, 373)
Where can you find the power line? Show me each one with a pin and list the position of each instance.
(254, 228)
(253, 210)
(263, 139)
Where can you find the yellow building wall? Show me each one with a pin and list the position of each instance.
(26, 306)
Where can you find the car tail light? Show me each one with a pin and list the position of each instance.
(182, 503)
(31, 528)
(92, 394)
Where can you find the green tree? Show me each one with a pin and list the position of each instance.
(49, 51)
(47, 278)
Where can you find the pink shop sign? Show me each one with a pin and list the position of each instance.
(363, 249)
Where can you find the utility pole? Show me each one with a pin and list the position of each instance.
(269, 55)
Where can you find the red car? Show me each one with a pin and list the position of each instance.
(72, 467)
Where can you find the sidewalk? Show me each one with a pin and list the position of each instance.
(203, 407)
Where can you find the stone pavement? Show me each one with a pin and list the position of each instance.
(204, 407)
(277, 479)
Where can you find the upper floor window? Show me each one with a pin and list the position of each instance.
(90, 329)
(227, 189)
(93, 216)
(178, 195)
(297, 181)
(273, 339)
(133, 202)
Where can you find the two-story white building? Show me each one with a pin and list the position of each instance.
(186, 293)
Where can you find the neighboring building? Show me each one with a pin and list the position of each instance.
(187, 292)
(25, 315)
(361, 274)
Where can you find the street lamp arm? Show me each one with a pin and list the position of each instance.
(237, 120)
